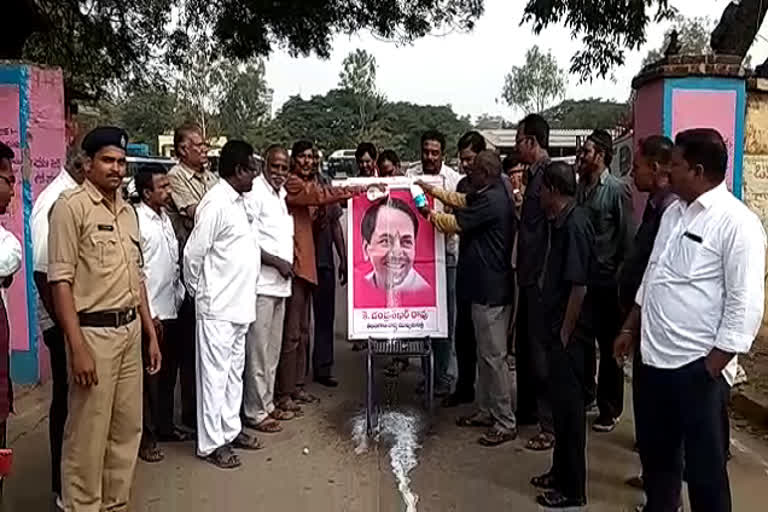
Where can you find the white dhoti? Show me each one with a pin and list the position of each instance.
(262, 354)
(220, 363)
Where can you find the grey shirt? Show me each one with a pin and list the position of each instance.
(609, 205)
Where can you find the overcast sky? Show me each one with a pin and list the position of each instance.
(466, 70)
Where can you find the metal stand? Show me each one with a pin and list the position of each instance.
(397, 348)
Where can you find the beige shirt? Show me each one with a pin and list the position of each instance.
(188, 187)
(95, 246)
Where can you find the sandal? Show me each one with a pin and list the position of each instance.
(301, 396)
(282, 415)
(555, 499)
(289, 405)
(495, 437)
(174, 436)
(223, 457)
(150, 452)
(245, 442)
(268, 426)
(476, 420)
(541, 442)
(545, 481)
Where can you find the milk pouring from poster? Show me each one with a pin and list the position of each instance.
(376, 193)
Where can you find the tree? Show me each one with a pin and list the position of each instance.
(95, 42)
(100, 41)
(693, 35)
(608, 28)
(489, 122)
(586, 114)
(330, 121)
(358, 76)
(246, 106)
(532, 86)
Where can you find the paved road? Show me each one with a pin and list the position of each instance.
(453, 473)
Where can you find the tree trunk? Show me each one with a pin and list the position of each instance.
(738, 27)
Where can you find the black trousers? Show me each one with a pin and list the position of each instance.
(324, 308)
(567, 389)
(54, 340)
(159, 388)
(466, 349)
(605, 323)
(681, 425)
(186, 346)
(532, 367)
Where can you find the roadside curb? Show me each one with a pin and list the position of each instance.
(753, 409)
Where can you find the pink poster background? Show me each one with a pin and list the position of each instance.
(648, 110)
(692, 108)
(13, 220)
(367, 296)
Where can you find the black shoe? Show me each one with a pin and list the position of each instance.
(328, 382)
(555, 499)
(456, 399)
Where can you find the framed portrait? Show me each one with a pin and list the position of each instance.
(397, 285)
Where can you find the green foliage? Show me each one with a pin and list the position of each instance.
(331, 121)
(101, 42)
(607, 28)
(97, 42)
(587, 114)
(532, 86)
(358, 78)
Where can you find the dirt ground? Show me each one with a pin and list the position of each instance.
(756, 365)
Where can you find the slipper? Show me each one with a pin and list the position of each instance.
(282, 415)
(289, 405)
(268, 426)
(545, 481)
(474, 421)
(302, 397)
(245, 442)
(223, 457)
(150, 452)
(541, 442)
(175, 436)
(496, 437)
(555, 499)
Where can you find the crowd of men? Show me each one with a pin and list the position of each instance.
(211, 280)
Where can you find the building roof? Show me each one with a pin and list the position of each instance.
(505, 138)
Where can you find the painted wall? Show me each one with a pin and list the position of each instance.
(756, 156)
(32, 123)
(710, 102)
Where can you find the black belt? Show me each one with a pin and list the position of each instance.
(109, 318)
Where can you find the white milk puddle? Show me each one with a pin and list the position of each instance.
(401, 430)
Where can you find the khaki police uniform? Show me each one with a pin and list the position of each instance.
(94, 245)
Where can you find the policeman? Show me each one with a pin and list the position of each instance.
(94, 267)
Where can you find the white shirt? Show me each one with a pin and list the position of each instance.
(275, 227)
(451, 179)
(10, 258)
(162, 275)
(39, 225)
(222, 257)
(703, 287)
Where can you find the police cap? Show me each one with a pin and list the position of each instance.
(104, 136)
